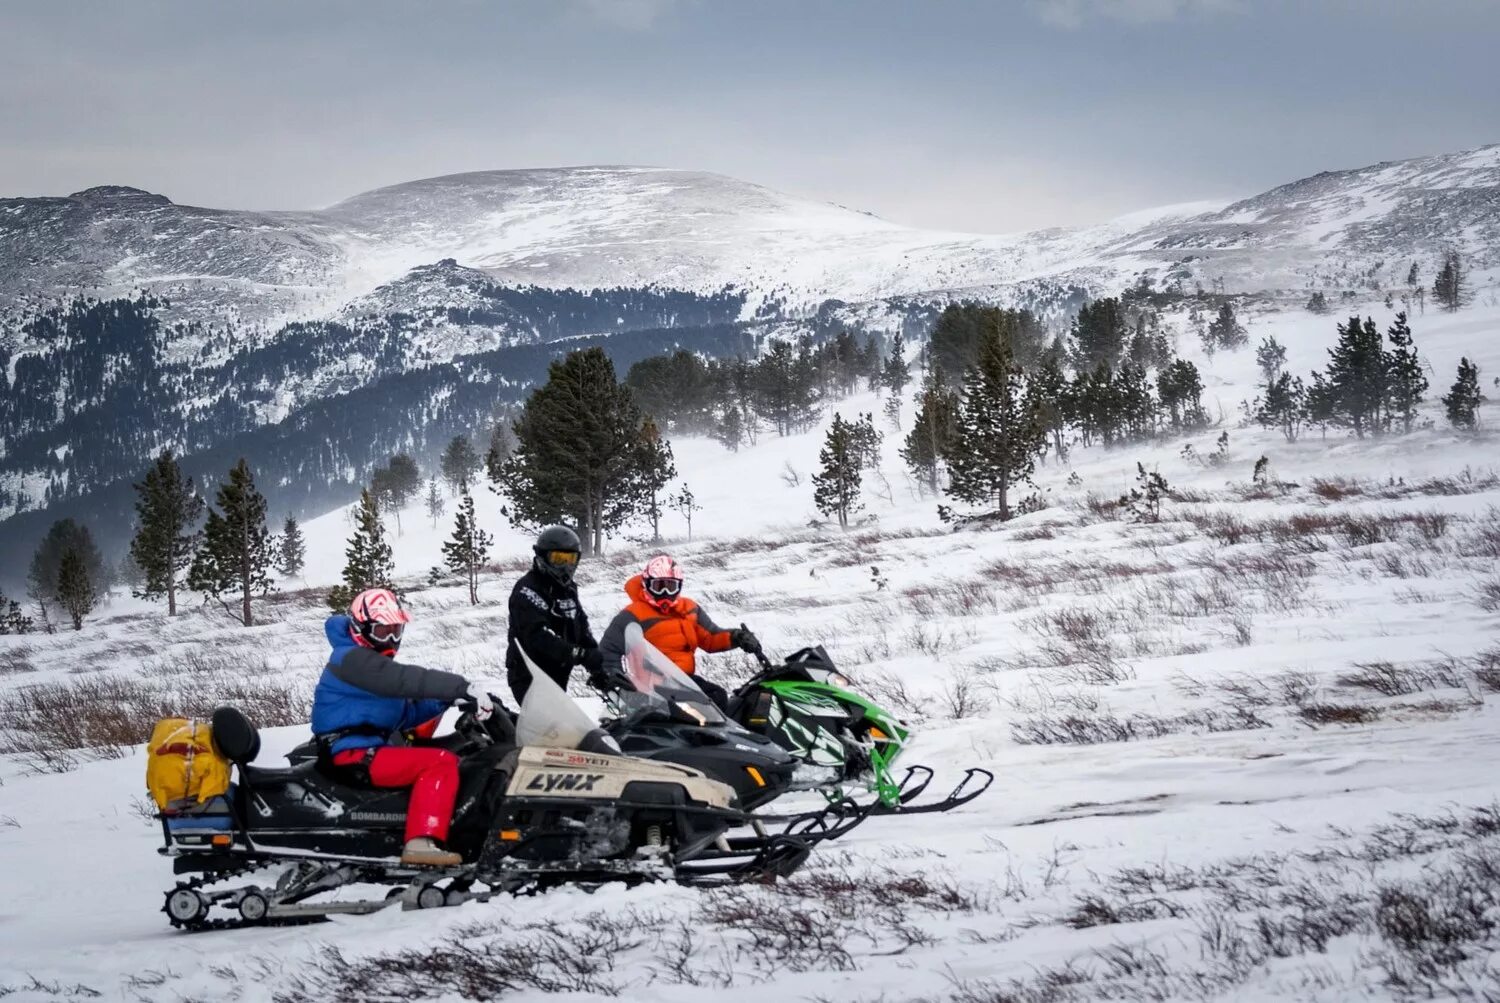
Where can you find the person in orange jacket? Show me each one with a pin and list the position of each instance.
(673, 623)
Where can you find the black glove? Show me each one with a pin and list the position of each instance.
(592, 660)
(744, 640)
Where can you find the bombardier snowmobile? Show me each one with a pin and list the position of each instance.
(844, 741)
(545, 801)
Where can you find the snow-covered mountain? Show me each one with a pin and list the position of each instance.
(591, 227)
(411, 312)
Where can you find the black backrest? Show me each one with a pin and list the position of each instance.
(235, 737)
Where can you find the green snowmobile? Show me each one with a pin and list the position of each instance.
(844, 740)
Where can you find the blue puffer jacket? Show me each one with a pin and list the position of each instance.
(361, 688)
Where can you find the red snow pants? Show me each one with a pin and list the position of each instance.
(432, 775)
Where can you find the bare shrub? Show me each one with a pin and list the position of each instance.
(1487, 669)
(1336, 488)
(1318, 714)
(106, 713)
(15, 659)
(963, 696)
(892, 693)
(1389, 679)
(480, 962)
(1096, 910)
(1431, 525)
(1095, 729)
(1487, 594)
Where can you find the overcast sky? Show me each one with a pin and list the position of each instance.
(966, 115)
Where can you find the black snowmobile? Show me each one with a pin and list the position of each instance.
(661, 714)
(842, 740)
(547, 801)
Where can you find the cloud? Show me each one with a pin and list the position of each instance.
(1074, 13)
(633, 15)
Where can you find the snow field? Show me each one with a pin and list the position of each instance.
(1247, 752)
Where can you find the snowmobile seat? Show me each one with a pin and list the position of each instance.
(270, 776)
(235, 736)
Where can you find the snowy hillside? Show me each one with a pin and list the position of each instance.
(588, 227)
(1248, 752)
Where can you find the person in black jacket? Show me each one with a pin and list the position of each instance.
(546, 617)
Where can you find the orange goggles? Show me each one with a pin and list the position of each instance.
(562, 558)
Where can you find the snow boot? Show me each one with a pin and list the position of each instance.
(424, 852)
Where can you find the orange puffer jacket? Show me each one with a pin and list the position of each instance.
(678, 634)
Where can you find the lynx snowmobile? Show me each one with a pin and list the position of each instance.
(844, 741)
(545, 801)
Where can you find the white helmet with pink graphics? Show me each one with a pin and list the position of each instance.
(379, 620)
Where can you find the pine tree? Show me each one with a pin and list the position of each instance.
(1137, 407)
(13, 619)
(836, 486)
(467, 550)
(785, 388)
(1099, 333)
(578, 452)
(459, 464)
(1405, 381)
(1052, 402)
(1463, 399)
(686, 503)
(75, 591)
(435, 504)
(1225, 331)
(932, 430)
(368, 563)
(46, 563)
(1317, 303)
(865, 439)
(395, 484)
(1411, 275)
(1270, 356)
(998, 437)
(235, 555)
(1181, 392)
(895, 374)
(167, 510)
(654, 470)
(502, 444)
(1283, 406)
(730, 429)
(1322, 403)
(1449, 284)
(291, 550)
(1357, 376)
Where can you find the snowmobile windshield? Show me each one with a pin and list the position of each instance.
(549, 717)
(652, 673)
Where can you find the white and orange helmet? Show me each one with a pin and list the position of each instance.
(379, 620)
(662, 580)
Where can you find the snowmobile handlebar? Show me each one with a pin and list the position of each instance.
(760, 656)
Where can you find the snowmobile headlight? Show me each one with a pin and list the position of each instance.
(510, 835)
(878, 735)
(760, 781)
(839, 679)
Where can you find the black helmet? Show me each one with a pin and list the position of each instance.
(557, 550)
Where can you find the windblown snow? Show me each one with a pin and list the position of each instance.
(1248, 752)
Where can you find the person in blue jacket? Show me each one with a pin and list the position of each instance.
(365, 704)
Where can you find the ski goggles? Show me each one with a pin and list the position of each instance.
(562, 558)
(387, 632)
(664, 588)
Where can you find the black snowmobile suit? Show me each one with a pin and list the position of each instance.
(549, 621)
